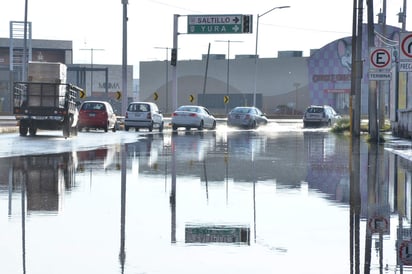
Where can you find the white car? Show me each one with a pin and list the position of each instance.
(320, 116)
(193, 117)
(143, 115)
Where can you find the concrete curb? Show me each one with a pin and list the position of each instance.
(9, 129)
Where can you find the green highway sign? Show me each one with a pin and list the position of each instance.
(219, 24)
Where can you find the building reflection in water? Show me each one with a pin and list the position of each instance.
(42, 180)
(45, 179)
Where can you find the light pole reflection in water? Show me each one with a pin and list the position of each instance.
(254, 192)
(355, 205)
(173, 191)
(122, 254)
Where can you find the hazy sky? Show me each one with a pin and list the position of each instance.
(98, 24)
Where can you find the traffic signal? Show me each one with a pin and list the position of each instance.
(173, 60)
(247, 23)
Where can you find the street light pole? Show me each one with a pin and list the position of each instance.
(25, 61)
(256, 48)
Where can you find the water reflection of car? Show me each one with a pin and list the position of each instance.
(149, 147)
(143, 115)
(246, 143)
(97, 115)
(193, 117)
(249, 117)
(193, 145)
(320, 116)
(97, 158)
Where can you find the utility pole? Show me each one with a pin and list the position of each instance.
(383, 85)
(373, 85)
(25, 61)
(356, 75)
(124, 58)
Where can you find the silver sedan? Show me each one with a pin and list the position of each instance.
(193, 117)
(248, 117)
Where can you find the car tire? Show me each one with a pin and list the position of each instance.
(161, 127)
(67, 126)
(254, 125)
(214, 125)
(126, 128)
(174, 127)
(201, 126)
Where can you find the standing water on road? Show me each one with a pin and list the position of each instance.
(208, 202)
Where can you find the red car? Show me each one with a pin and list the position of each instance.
(97, 115)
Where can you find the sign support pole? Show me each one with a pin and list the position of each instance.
(174, 68)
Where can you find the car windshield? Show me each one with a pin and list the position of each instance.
(93, 106)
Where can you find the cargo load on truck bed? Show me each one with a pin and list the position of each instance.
(46, 101)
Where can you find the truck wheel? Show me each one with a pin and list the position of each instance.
(74, 131)
(32, 131)
(67, 127)
(66, 131)
(23, 130)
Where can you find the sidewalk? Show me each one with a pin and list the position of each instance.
(400, 147)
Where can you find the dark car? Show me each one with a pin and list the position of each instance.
(97, 115)
(248, 117)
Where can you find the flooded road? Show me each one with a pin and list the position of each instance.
(275, 200)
